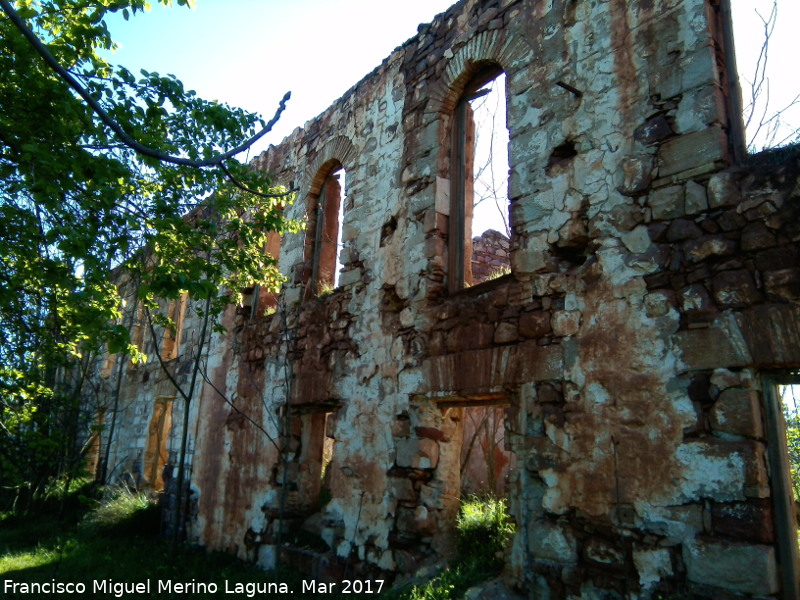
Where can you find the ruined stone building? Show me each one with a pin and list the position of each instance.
(609, 363)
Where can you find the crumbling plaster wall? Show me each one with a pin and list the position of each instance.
(651, 284)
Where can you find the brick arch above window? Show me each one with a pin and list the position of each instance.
(336, 150)
(488, 47)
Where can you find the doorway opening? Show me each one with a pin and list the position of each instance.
(308, 477)
(485, 462)
(474, 465)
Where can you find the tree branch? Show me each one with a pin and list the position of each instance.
(244, 188)
(111, 123)
(236, 409)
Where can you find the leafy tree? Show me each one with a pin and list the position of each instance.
(101, 168)
(790, 398)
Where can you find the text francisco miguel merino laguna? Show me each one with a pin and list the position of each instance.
(168, 586)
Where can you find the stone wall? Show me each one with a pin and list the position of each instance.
(490, 256)
(652, 294)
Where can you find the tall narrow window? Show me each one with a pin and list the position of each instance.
(107, 365)
(156, 453)
(139, 333)
(170, 343)
(325, 233)
(94, 445)
(479, 230)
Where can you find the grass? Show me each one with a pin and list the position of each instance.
(114, 539)
(77, 537)
(125, 511)
(498, 273)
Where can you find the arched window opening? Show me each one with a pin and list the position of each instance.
(325, 231)
(480, 229)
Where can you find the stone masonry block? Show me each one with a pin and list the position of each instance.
(737, 411)
(710, 246)
(699, 68)
(772, 333)
(782, 283)
(401, 427)
(724, 379)
(740, 568)
(417, 454)
(551, 543)
(636, 172)
(566, 322)
(722, 191)
(709, 348)
(695, 69)
(601, 551)
(414, 521)
(692, 150)
(402, 489)
(541, 363)
(735, 289)
(699, 108)
(535, 324)
(695, 301)
(652, 565)
(683, 229)
(505, 333)
(752, 520)
(696, 198)
(756, 236)
(667, 202)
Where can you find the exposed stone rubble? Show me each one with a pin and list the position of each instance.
(653, 286)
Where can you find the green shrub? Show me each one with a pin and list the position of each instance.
(483, 531)
(484, 528)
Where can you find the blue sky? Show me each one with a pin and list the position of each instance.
(784, 86)
(248, 53)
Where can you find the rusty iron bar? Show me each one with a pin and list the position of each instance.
(571, 89)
